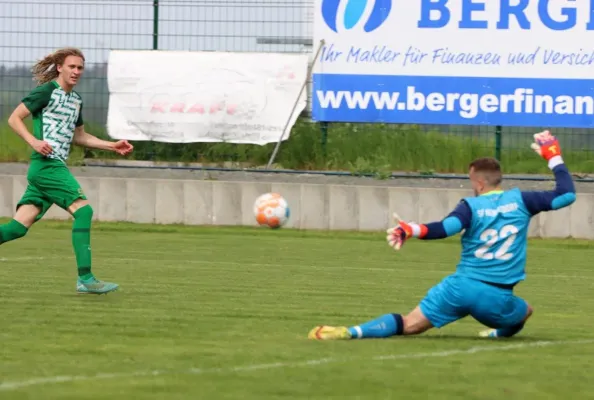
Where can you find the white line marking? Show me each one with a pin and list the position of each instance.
(8, 386)
(4, 259)
(267, 265)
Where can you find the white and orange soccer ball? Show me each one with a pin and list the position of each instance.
(271, 210)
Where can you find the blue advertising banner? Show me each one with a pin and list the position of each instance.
(489, 62)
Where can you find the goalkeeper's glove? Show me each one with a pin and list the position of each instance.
(403, 231)
(398, 235)
(547, 146)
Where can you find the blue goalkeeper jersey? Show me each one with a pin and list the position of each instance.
(494, 245)
(496, 226)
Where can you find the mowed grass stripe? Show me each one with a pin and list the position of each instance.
(563, 271)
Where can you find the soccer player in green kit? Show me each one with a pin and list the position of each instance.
(56, 110)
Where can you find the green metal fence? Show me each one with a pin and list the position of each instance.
(30, 29)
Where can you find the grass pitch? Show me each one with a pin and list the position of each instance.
(223, 313)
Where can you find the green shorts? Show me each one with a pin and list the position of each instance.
(50, 182)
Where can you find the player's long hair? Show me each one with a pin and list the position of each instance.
(46, 69)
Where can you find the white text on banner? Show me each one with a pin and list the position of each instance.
(184, 97)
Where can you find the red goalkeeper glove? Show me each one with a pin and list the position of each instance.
(403, 231)
(546, 145)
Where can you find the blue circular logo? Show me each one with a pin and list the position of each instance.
(353, 12)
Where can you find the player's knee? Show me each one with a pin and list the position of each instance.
(415, 323)
(529, 312)
(84, 213)
(27, 214)
(413, 328)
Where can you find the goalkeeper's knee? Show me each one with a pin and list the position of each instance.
(12, 230)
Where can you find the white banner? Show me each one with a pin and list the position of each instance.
(184, 97)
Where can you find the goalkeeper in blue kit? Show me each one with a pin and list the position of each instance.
(495, 224)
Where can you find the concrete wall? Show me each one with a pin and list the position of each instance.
(335, 207)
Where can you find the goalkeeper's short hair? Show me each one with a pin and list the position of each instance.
(489, 167)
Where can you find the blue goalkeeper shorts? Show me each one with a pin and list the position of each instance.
(456, 297)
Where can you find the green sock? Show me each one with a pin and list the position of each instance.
(81, 240)
(11, 231)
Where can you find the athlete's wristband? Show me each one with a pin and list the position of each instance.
(418, 230)
(555, 161)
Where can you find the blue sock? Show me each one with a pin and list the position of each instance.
(509, 332)
(385, 326)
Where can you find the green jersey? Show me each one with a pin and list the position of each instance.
(56, 114)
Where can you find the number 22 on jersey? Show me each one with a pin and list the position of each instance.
(490, 237)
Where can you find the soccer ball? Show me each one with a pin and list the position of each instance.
(271, 210)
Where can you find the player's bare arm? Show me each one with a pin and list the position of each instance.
(16, 122)
(85, 139)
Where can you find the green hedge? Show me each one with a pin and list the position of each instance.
(359, 148)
